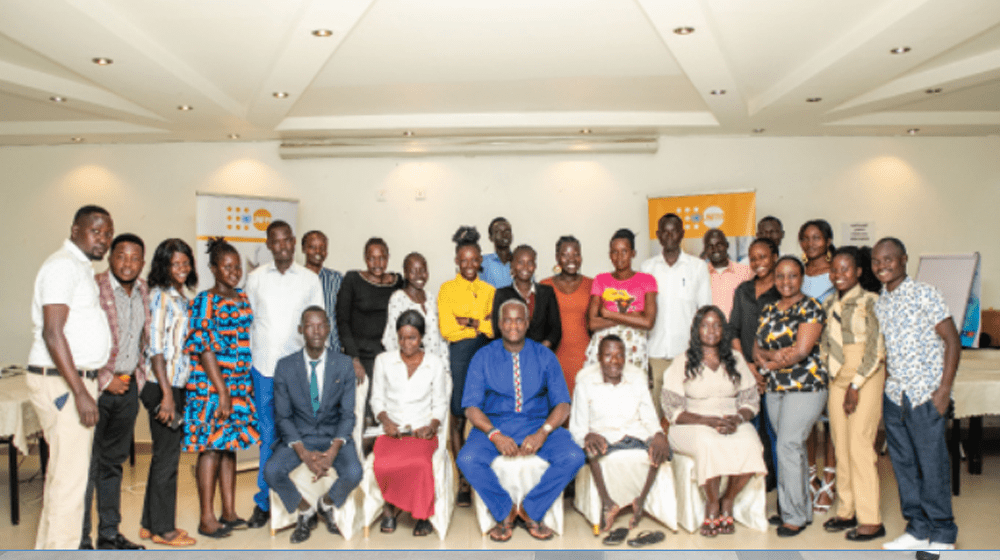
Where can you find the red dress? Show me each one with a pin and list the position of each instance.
(572, 348)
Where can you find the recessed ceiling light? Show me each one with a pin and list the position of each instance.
(814, 99)
(407, 133)
(585, 131)
(101, 61)
(900, 50)
(932, 91)
(184, 107)
(758, 130)
(913, 131)
(322, 32)
(57, 99)
(718, 92)
(234, 136)
(684, 30)
(77, 139)
(280, 94)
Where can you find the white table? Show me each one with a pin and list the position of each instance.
(18, 422)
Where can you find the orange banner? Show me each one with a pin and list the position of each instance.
(734, 213)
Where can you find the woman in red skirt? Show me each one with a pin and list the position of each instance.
(410, 396)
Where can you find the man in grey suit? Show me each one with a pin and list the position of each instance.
(314, 418)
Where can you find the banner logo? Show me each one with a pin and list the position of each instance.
(261, 219)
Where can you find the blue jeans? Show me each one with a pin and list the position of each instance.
(263, 400)
(919, 453)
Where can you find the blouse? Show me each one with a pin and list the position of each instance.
(361, 314)
(432, 340)
(851, 320)
(168, 330)
(746, 313)
(711, 393)
(623, 296)
(410, 400)
(460, 298)
(777, 329)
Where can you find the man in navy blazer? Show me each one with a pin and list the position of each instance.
(314, 418)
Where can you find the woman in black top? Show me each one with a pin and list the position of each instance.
(544, 325)
(362, 305)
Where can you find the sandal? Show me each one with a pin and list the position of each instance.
(727, 525)
(828, 488)
(616, 537)
(709, 527)
(646, 537)
(608, 515)
(182, 539)
(815, 484)
(422, 528)
(388, 524)
(502, 532)
(538, 530)
(145, 534)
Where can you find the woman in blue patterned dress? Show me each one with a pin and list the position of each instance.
(219, 416)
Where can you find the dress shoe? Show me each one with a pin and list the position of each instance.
(119, 542)
(326, 512)
(258, 518)
(854, 535)
(86, 545)
(927, 555)
(837, 524)
(302, 529)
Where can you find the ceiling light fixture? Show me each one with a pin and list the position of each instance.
(57, 99)
(933, 91)
(718, 92)
(101, 61)
(913, 131)
(758, 130)
(585, 131)
(900, 50)
(814, 99)
(184, 107)
(280, 94)
(407, 133)
(322, 33)
(234, 136)
(76, 139)
(684, 30)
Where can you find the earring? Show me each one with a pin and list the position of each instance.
(557, 270)
(805, 258)
(829, 255)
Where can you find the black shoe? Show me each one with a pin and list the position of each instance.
(119, 542)
(925, 555)
(238, 523)
(837, 524)
(327, 515)
(775, 520)
(784, 531)
(86, 545)
(258, 518)
(854, 535)
(302, 529)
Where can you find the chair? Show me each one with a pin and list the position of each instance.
(348, 516)
(749, 509)
(518, 475)
(625, 474)
(445, 488)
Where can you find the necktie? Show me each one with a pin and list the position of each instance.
(518, 396)
(314, 385)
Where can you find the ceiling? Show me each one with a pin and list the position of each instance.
(469, 68)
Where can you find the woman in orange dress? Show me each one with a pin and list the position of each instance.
(573, 295)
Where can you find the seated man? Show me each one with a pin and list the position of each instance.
(612, 404)
(515, 396)
(314, 417)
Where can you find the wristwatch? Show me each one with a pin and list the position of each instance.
(547, 428)
(855, 386)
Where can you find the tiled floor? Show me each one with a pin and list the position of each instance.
(975, 512)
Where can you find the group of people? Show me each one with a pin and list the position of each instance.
(743, 361)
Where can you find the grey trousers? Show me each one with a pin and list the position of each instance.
(793, 416)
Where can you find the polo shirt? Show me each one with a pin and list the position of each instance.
(725, 282)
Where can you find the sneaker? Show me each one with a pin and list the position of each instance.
(907, 541)
(940, 546)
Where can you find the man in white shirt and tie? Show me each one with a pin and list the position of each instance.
(683, 286)
(278, 292)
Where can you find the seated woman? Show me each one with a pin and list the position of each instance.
(544, 324)
(710, 398)
(219, 414)
(787, 355)
(622, 303)
(413, 296)
(410, 399)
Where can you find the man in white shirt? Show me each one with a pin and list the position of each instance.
(682, 287)
(612, 410)
(278, 292)
(71, 342)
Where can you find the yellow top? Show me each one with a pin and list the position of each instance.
(460, 298)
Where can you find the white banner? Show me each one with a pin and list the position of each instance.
(243, 221)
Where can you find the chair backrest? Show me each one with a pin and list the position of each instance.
(360, 397)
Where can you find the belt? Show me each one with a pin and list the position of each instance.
(86, 373)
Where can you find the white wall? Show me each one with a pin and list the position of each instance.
(937, 194)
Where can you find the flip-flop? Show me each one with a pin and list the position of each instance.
(646, 537)
(179, 540)
(616, 537)
(388, 524)
(422, 528)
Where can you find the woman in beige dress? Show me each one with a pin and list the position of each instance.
(710, 398)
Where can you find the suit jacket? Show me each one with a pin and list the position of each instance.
(293, 413)
(545, 322)
(107, 296)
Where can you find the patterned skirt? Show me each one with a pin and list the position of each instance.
(203, 431)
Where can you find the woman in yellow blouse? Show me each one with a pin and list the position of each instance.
(853, 349)
(464, 307)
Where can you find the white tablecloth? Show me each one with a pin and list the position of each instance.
(17, 416)
(977, 383)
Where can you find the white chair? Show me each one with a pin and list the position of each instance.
(445, 488)
(348, 516)
(518, 475)
(625, 474)
(749, 509)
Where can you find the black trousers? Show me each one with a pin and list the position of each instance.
(159, 508)
(112, 441)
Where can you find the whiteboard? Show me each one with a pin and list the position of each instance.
(952, 274)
